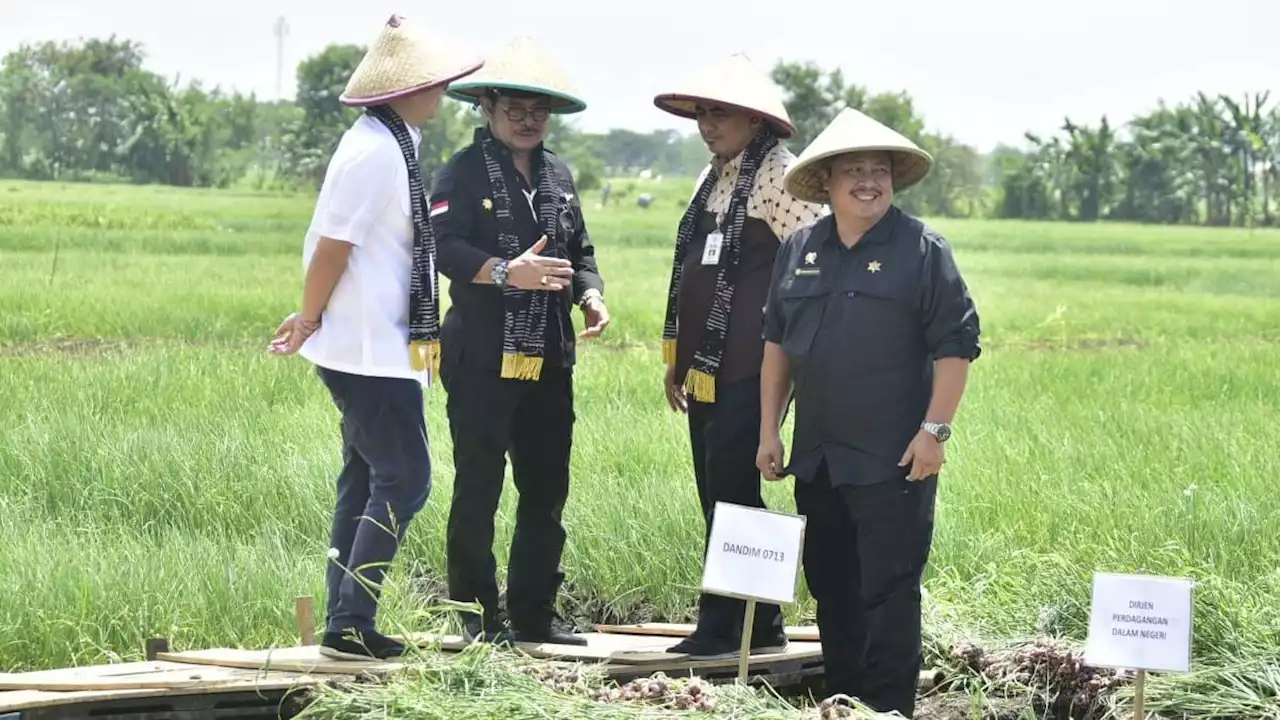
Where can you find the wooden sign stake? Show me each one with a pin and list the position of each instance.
(748, 620)
(1139, 696)
(304, 608)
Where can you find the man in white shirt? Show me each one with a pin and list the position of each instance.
(369, 319)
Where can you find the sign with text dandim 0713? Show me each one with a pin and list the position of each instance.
(1140, 622)
(753, 554)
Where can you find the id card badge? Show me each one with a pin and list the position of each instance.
(711, 251)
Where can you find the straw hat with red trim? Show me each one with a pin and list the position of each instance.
(404, 59)
(851, 131)
(733, 82)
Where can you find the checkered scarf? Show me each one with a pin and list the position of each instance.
(524, 323)
(424, 319)
(700, 381)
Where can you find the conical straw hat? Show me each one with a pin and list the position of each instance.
(521, 65)
(852, 131)
(404, 59)
(734, 81)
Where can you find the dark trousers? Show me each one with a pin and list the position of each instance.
(724, 437)
(865, 550)
(488, 417)
(384, 482)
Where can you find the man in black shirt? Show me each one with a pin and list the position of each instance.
(512, 241)
(871, 326)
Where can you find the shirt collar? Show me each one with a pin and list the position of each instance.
(728, 168)
(879, 233)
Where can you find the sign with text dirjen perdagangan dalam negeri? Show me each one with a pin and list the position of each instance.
(753, 554)
(1140, 622)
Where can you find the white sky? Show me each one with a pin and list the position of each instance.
(983, 70)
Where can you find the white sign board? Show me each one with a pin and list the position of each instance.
(1140, 622)
(753, 554)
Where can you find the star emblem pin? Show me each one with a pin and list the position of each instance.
(810, 258)
(873, 266)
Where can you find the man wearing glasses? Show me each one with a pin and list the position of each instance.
(512, 240)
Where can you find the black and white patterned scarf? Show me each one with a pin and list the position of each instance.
(424, 308)
(524, 323)
(700, 381)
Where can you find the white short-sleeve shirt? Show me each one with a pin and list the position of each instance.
(364, 200)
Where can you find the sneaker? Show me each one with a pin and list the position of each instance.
(355, 645)
(703, 647)
(556, 632)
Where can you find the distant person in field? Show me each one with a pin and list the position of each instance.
(724, 250)
(515, 248)
(870, 325)
(369, 318)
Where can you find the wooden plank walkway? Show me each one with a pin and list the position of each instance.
(624, 652)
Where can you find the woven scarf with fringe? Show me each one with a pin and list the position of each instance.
(700, 380)
(524, 323)
(424, 318)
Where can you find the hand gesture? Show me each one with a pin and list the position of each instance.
(291, 334)
(675, 391)
(531, 271)
(596, 317)
(925, 455)
(769, 458)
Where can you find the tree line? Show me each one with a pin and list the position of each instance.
(91, 111)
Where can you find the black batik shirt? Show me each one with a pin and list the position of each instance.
(861, 328)
(466, 230)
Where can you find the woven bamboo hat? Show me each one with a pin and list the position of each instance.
(521, 65)
(852, 131)
(736, 82)
(406, 58)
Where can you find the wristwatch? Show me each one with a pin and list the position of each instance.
(499, 273)
(941, 431)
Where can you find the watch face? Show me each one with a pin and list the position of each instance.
(944, 432)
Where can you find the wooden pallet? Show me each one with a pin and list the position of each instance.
(803, 633)
(618, 654)
(160, 683)
(201, 683)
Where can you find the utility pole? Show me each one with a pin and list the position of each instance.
(281, 29)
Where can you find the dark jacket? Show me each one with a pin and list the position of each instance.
(466, 231)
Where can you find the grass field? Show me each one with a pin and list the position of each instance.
(161, 474)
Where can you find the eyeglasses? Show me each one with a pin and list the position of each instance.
(517, 114)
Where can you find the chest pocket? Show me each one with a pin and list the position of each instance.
(881, 311)
(568, 219)
(802, 302)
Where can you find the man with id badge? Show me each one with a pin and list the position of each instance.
(712, 341)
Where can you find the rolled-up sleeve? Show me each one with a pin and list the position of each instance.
(451, 206)
(951, 325)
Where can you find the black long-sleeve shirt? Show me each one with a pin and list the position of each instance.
(466, 231)
(861, 328)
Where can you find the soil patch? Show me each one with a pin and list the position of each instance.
(1075, 344)
(68, 347)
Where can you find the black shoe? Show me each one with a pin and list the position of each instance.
(706, 647)
(555, 632)
(492, 628)
(771, 643)
(356, 645)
